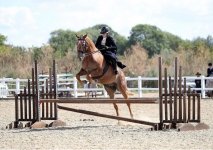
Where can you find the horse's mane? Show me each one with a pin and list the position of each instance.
(90, 43)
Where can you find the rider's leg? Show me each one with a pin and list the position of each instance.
(112, 61)
(114, 66)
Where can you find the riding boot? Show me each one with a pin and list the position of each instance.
(120, 65)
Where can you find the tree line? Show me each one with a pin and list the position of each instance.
(144, 44)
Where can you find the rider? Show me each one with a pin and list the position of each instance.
(209, 70)
(108, 48)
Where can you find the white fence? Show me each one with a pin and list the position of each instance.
(3, 90)
(70, 85)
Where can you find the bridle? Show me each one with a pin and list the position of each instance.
(82, 48)
(82, 45)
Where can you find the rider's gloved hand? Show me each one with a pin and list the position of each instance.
(106, 47)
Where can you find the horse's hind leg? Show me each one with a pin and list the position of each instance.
(122, 87)
(111, 93)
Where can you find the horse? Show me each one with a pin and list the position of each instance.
(96, 69)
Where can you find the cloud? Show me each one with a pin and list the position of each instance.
(36, 19)
(16, 16)
(18, 24)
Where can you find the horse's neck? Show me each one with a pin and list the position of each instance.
(96, 58)
(91, 45)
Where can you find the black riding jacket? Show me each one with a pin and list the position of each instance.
(109, 43)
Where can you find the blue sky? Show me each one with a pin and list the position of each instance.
(30, 22)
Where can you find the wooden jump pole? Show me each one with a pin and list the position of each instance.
(170, 99)
(99, 101)
(184, 101)
(108, 116)
(175, 92)
(55, 88)
(160, 93)
(166, 94)
(37, 108)
(180, 94)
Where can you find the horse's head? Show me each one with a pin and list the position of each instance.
(82, 46)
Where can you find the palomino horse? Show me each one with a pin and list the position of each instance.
(95, 68)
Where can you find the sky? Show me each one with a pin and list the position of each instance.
(29, 22)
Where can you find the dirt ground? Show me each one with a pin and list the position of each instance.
(90, 132)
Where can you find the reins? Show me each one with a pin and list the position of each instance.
(89, 53)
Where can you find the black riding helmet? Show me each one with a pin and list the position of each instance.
(104, 30)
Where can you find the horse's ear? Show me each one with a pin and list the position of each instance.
(84, 36)
(77, 36)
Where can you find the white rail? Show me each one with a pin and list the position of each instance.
(134, 84)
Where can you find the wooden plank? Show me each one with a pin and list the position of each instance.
(50, 91)
(25, 103)
(170, 98)
(107, 98)
(33, 92)
(160, 91)
(180, 94)
(47, 96)
(184, 101)
(42, 105)
(107, 116)
(37, 108)
(189, 104)
(104, 101)
(165, 91)
(54, 79)
(21, 106)
(175, 92)
(55, 89)
(16, 108)
(198, 108)
(193, 107)
(29, 99)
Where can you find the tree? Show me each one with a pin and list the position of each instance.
(37, 53)
(2, 39)
(62, 40)
(209, 41)
(153, 39)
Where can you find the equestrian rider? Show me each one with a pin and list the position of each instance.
(108, 48)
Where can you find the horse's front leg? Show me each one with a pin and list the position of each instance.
(94, 72)
(79, 74)
(89, 78)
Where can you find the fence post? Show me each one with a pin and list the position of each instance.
(75, 87)
(139, 86)
(203, 92)
(105, 92)
(17, 85)
(3, 81)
